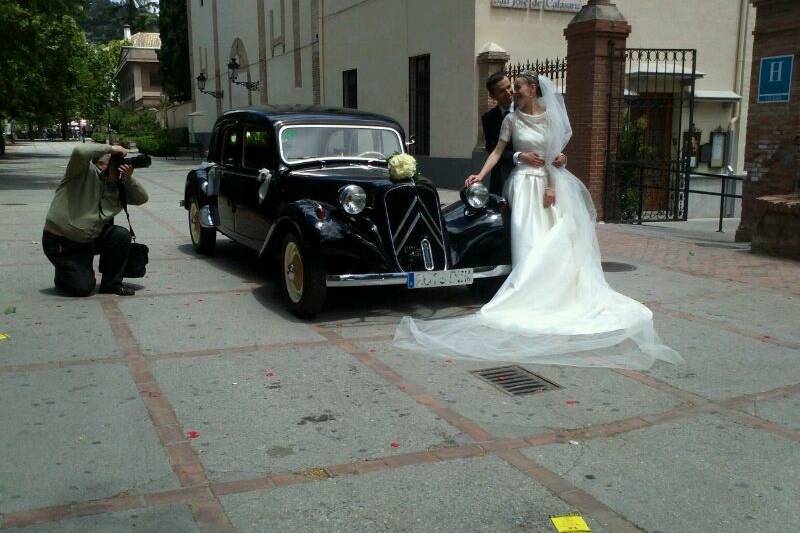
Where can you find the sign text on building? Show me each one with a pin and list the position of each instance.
(547, 5)
(775, 79)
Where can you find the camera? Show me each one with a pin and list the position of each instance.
(136, 161)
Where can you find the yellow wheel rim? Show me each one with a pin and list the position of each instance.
(194, 222)
(293, 272)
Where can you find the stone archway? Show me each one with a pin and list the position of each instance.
(239, 53)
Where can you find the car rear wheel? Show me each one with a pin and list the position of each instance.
(303, 278)
(203, 239)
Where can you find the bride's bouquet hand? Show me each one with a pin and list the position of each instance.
(473, 178)
(549, 197)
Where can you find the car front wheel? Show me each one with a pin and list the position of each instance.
(303, 278)
(203, 239)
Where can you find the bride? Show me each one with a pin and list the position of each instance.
(556, 306)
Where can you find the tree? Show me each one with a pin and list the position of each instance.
(98, 82)
(141, 13)
(38, 66)
(105, 18)
(174, 30)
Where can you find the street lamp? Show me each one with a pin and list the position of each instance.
(109, 103)
(233, 66)
(201, 86)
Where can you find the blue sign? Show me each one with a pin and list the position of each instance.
(775, 79)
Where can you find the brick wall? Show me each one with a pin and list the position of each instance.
(773, 129)
(587, 100)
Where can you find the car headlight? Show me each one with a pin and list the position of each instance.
(353, 199)
(477, 195)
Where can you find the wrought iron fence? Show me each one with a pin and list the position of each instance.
(555, 69)
(651, 124)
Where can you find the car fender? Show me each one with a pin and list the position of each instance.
(197, 184)
(299, 216)
(478, 237)
(327, 235)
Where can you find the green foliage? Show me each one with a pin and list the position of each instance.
(39, 66)
(48, 71)
(159, 144)
(133, 123)
(172, 56)
(105, 18)
(633, 148)
(98, 81)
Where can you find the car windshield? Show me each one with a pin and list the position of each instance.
(304, 143)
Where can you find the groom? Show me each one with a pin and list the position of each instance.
(499, 87)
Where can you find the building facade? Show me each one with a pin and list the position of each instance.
(415, 60)
(771, 208)
(138, 71)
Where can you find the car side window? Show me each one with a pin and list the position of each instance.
(257, 148)
(231, 146)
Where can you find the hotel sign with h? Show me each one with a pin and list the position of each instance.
(775, 79)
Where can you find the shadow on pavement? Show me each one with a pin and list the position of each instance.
(342, 304)
(11, 182)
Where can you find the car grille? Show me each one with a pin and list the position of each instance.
(415, 226)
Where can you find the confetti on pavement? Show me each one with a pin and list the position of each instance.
(570, 523)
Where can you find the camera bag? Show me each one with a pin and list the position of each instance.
(136, 267)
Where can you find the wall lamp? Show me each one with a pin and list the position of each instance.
(233, 66)
(201, 86)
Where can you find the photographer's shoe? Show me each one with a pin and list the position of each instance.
(119, 290)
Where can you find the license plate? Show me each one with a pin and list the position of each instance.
(439, 278)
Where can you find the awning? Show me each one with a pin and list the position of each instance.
(661, 68)
(716, 96)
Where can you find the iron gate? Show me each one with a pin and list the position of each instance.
(651, 133)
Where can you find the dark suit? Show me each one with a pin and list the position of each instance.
(491, 121)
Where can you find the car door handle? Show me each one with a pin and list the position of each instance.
(264, 178)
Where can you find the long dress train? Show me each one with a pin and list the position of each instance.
(556, 306)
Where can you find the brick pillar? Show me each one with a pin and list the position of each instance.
(772, 149)
(590, 36)
(492, 59)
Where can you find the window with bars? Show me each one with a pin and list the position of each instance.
(350, 89)
(419, 103)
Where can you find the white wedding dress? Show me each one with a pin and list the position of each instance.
(556, 306)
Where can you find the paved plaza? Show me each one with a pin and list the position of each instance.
(200, 404)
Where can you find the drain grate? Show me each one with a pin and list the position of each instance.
(515, 380)
(722, 246)
(610, 266)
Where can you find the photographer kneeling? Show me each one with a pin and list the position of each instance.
(80, 222)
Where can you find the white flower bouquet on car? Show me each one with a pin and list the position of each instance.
(402, 167)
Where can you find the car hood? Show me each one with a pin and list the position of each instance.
(354, 173)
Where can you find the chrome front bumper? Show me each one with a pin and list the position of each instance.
(401, 278)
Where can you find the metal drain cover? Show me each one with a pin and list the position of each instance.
(721, 246)
(609, 266)
(515, 380)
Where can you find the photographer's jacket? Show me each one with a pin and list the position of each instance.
(84, 202)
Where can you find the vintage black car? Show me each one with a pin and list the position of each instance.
(311, 186)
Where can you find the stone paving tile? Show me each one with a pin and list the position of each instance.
(57, 330)
(777, 315)
(649, 283)
(170, 518)
(475, 495)
(318, 407)
(587, 396)
(177, 323)
(704, 261)
(720, 364)
(700, 474)
(785, 411)
(75, 434)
